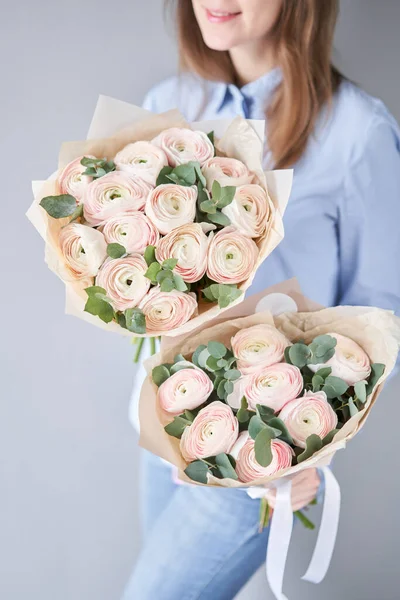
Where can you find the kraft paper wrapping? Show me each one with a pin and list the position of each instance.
(376, 330)
(114, 125)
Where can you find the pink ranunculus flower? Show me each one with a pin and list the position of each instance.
(169, 206)
(131, 229)
(184, 390)
(83, 248)
(142, 159)
(249, 211)
(258, 346)
(350, 362)
(214, 430)
(232, 257)
(111, 194)
(309, 414)
(189, 245)
(273, 386)
(124, 281)
(247, 467)
(71, 181)
(227, 171)
(165, 311)
(183, 145)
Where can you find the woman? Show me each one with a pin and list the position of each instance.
(273, 60)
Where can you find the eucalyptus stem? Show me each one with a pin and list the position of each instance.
(303, 519)
(153, 349)
(139, 345)
(264, 514)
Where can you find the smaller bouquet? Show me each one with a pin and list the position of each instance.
(261, 405)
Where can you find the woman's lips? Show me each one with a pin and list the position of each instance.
(215, 16)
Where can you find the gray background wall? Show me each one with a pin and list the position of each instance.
(68, 456)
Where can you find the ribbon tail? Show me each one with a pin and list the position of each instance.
(279, 539)
(324, 547)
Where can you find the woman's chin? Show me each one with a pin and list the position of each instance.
(219, 43)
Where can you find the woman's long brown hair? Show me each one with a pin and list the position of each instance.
(304, 38)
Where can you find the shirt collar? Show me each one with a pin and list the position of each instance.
(262, 89)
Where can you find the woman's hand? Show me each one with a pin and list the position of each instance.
(304, 489)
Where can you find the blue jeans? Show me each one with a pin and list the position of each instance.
(200, 543)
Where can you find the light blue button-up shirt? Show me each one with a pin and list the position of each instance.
(342, 223)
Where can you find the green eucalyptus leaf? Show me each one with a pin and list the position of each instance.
(152, 272)
(352, 407)
(216, 190)
(98, 305)
(219, 219)
(210, 136)
(150, 255)
(196, 354)
(177, 427)
(232, 374)
(221, 390)
(197, 471)
(179, 283)
(287, 356)
(160, 374)
(360, 389)
(225, 466)
(208, 206)
(313, 444)
(329, 437)
(299, 354)
(217, 349)
(317, 383)
(377, 370)
(255, 426)
(189, 415)
(186, 174)
(162, 178)
(265, 412)
(226, 196)
(279, 425)
(324, 372)
(167, 285)
(262, 447)
(338, 384)
(60, 206)
(228, 387)
(203, 357)
(212, 364)
(169, 263)
(135, 320)
(78, 212)
(179, 358)
(115, 250)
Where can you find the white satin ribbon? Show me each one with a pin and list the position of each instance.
(281, 532)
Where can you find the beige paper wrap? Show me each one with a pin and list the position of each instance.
(114, 125)
(376, 330)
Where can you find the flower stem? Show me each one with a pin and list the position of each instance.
(303, 519)
(153, 348)
(264, 514)
(139, 345)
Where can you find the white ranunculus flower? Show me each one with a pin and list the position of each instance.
(131, 229)
(183, 145)
(231, 257)
(71, 181)
(111, 194)
(227, 171)
(188, 244)
(142, 159)
(350, 362)
(249, 211)
(169, 206)
(83, 248)
(124, 281)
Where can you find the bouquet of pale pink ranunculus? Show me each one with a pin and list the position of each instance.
(255, 399)
(159, 227)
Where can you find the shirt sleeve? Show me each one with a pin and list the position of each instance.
(369, 219)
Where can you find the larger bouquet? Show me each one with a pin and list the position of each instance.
(160, 227)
